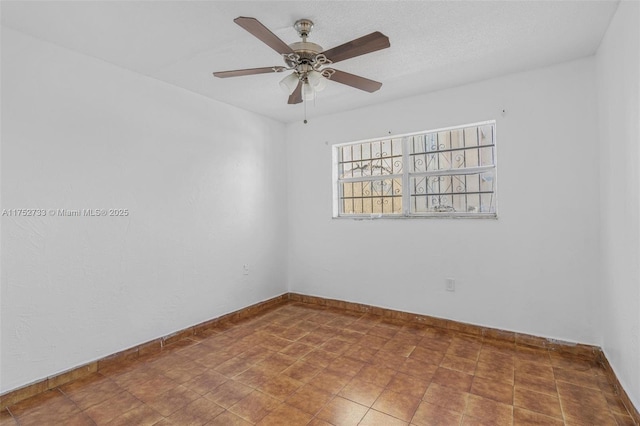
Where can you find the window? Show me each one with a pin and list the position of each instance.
(447, 172)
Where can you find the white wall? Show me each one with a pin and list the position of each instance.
(204, 184)
(205, 187)
(618, 76)
(533, 270)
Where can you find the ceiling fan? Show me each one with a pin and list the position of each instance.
(311, 65)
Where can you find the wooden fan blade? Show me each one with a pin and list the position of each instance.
(355, 81)
(248, 71)
(296, 96)
(263, 33)
(360, 46)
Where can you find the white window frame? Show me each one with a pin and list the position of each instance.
(407, 174)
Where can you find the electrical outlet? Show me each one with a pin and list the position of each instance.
(450, 284)
(245, 269)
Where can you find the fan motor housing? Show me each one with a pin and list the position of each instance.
(306, 48)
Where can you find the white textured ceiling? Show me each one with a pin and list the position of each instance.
(434, 44)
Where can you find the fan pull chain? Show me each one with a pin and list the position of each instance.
(305, 110)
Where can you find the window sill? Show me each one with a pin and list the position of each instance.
(422, 216)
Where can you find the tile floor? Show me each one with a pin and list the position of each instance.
(307, 365)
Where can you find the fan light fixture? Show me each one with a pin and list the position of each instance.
(289, 83)
(306, 63)
(312, 81)
(309, 62)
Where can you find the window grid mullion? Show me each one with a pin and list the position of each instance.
(371, 178)
(406, 207)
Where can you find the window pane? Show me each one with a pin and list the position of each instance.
(452, 149)
(379, 158)
(382, 196)
(467, 193)
(470, 136)
(457, 139)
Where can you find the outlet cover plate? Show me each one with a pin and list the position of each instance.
(450, 284)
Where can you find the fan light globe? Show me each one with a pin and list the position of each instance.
(314, 78)
(322, 83)
(308, 94)
(289, 83)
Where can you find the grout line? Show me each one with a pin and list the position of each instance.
(15, 419)
(73, 402)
